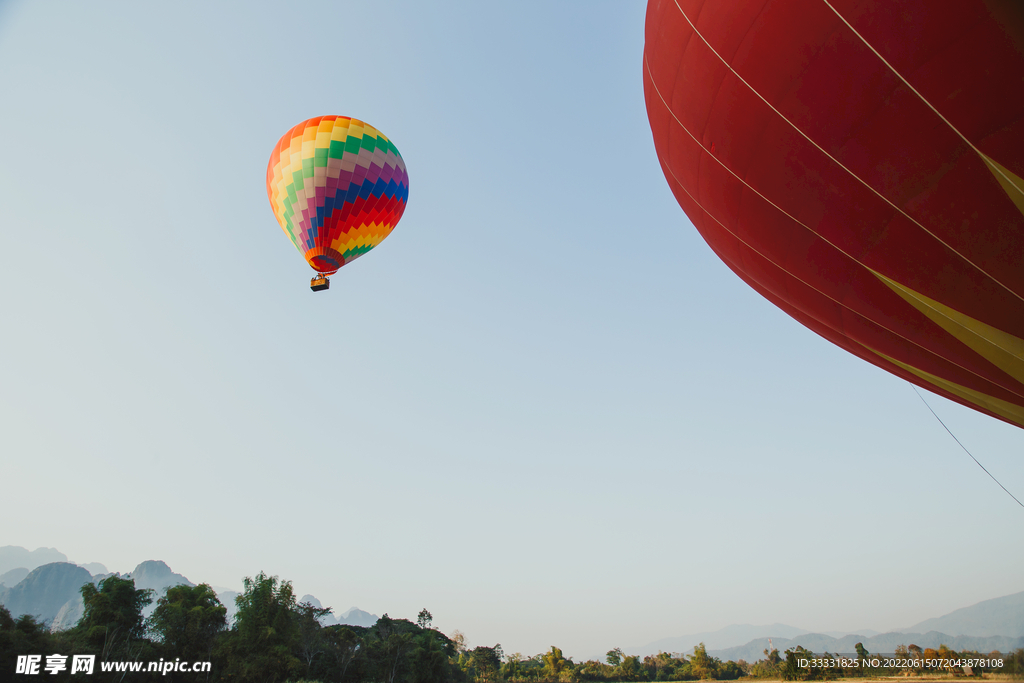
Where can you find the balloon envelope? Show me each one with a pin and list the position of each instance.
(338, 187)
(859, 164)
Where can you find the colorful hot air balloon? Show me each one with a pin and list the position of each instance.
(338, 187)
(859, 164)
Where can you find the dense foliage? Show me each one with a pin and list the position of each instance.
(275, 639)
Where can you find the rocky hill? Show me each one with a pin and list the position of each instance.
(157, 577)
(13, 577)
(45, 590)
(353, 617)
(357, 617)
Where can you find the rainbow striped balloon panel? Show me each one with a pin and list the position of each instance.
(338, 187)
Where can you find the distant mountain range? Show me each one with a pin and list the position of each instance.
(48, 587)
(880, 644)
(716, 640)
(997, 617)
(353, 617)
(14, 557)
(996, 624)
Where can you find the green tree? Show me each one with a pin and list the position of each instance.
(792, 671)
(768, 667)
(703, 665)
(389, 646)
(916, 654)
(555, 663)
(112, 623)
(260, 646)
(342, 643)
(424, 618)
(614, 657)
(1013, 663)
(23, 635)
(629, 669)
(513, 668)
(862, 652)
(659, 667)
(311, 641)
(485, 662)
(730, 670)
(592, 670)
(430, 659)
(187, 619)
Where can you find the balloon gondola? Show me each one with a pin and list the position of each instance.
(321, 281)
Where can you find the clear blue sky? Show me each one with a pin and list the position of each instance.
(542, 408)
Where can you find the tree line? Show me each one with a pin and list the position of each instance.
(275, 638)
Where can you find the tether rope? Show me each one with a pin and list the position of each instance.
(963, 446)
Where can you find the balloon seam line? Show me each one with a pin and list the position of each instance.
(829, 297)
(798, 222)
(916, 92)
(937, 312)
(832, 158)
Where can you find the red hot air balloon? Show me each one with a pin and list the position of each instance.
(859, 163)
